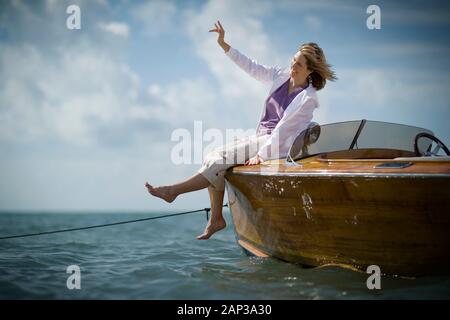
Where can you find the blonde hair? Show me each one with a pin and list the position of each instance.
(316, 62)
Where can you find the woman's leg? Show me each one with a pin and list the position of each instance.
(216, 194)
(169, 193)
(213, 168)
(198, 180)
(216, 221)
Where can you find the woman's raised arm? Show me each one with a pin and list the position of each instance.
(252, 67)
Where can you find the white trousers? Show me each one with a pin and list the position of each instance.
(232, 154)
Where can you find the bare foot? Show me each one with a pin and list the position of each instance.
(212, 228)
(164, 193)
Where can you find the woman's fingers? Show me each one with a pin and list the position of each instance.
(218, 28)
(252, 161)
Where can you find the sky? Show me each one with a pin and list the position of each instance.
(88, 115)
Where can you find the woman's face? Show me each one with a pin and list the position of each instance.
(299, 70)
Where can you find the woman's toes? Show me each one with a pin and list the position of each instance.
(162, 192)
(211, 229)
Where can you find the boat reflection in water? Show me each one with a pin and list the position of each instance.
(352, 194)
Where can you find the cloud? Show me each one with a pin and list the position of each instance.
(405, 48)
(435, 13)
(313, 23)
(186, 100)
(116, 28)
(156, 16)
(81, 91)
(154, 89)
(64, 97)
(427, 15)
(78, 96)
(347, 7)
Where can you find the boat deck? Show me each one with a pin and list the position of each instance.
(346, 163)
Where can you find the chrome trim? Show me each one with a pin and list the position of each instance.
(345, 174)
(291, 163)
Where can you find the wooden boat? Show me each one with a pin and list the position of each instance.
(351, 194)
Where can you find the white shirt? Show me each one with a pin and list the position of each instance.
(296, 117)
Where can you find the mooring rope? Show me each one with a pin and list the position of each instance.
(108, 224)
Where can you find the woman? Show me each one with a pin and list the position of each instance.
(288, 111)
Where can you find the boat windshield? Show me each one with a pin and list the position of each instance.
(360, 134)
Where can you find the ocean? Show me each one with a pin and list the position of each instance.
(161, 259)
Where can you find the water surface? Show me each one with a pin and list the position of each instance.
(161, 259)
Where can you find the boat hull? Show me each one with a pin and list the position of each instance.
(400, 223)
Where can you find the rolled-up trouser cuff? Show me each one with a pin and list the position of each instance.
(220, 159)
(216, 178)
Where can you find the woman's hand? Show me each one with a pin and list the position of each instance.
(221, 37)
(255, 160)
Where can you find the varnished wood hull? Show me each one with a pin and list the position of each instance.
(317, 215)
